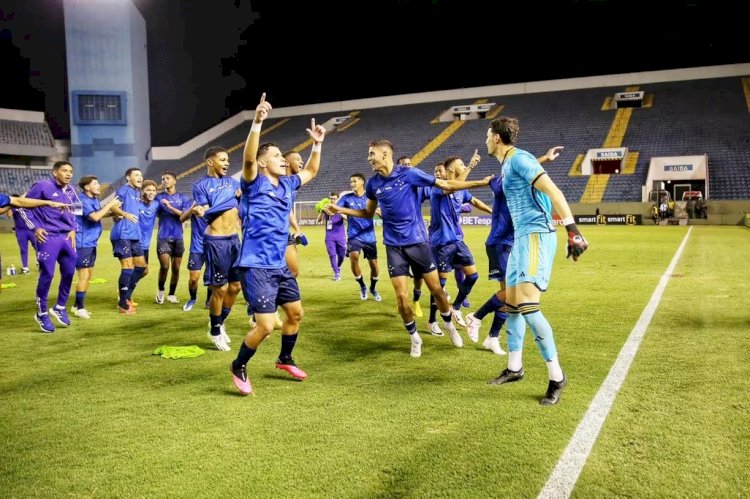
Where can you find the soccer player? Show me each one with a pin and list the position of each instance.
(447, 238)
(497, 246)
(361, 237)
(169, 241)
(530, 195)
(195, 258)
(146, 221)
(395, 190)
(88, 232)
(335, 238)
(216, 200)
(267, 281)
(294, 165)
(417, 293)
(7, 201)
(24, 236)
(55, 233)
(126, 238)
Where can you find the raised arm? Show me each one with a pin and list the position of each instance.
(317, 133)
(475, 159)
(250, 155)
(368, 212)
(551, 155)
(457, 185)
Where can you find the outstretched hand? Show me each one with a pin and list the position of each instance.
(554, 152)
(316, 132)
(486, 180)
(264, 107)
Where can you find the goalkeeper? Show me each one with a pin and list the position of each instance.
(530, 195)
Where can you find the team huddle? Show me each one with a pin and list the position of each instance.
(262, 263)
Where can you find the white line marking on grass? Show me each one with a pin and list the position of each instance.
(569, 466)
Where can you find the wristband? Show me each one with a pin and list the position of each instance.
(572, 229)
(568, 221)
(316, 147)
(256, 127)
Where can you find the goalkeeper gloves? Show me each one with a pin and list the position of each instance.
(576, 243)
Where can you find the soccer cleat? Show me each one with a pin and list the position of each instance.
(44, 322)
(188, 306)
(434, 329)
(219, 342)
(454, 336)
(472, 327)
(173, 299)
(224, 334)
(241, 381)
(60, 315)
(466, 303)
(289, 366)
(554, 390)
(126, 311)
(336, 276)
(458, 317)
(508, 376)
(492, 343)
(375, 295)
(363, 293)
(417, 309)
(160, 296)
(131, 303)
(416, 345)
(25, 270)
(81, 313)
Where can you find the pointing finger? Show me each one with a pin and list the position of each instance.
(475, 151)
(263, 98)
(312, 124)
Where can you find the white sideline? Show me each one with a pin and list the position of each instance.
(563, 478)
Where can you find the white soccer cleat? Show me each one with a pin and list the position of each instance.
(458, 317)
(493, 344)
(472, 327)
(159, 297)
(219, 342)
(434, 329)
(224, 334)
(81, 313)
(454, 336)
(416, 345)
(172, 298)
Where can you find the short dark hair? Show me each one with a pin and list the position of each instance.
(213, 151)
(289, 153)
(60, 164)
(402, 158)
(334, 194)
(381, 143)
(263, 148)
(357, 175)
(171, 174)
(131, 170)
(448, 161)
(86, 181)
(507, 128)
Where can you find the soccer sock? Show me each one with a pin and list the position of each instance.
(209, 292)
(193, 293)
(136, 276)
(243, 356)
(543, 336)
(373, 283)
(446, 317)
(554, 370)
(516, 332)
(497, 324)
(411, 327)
(464, 289)
(433, 309)
(162, 279)
(491, 305)
(458, 273)
(80, 298)
(225, 313)
(123, 284)
(215, 325)
(172, 288)
(417, 294)
(361, 280)
(287, 345)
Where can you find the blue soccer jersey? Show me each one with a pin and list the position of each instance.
(501, 229)
(530, 209)
(219, 193)
(397, 195)
(4, 200)
(265, 229)
(146, 221)
(131, 203)
(88, 231)
(170, 226)
(445, 211)
(361, 229)
(197, 229)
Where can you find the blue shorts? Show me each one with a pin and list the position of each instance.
(126, 248)
(455, 254)
(418, 257)
(498, 259)
(265, 289)
(195, 261)
(369, 250)
(86, 258)
(222, 254)
(172, 246)
(531, 260)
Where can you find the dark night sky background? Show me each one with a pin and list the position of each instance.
(208, 59)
